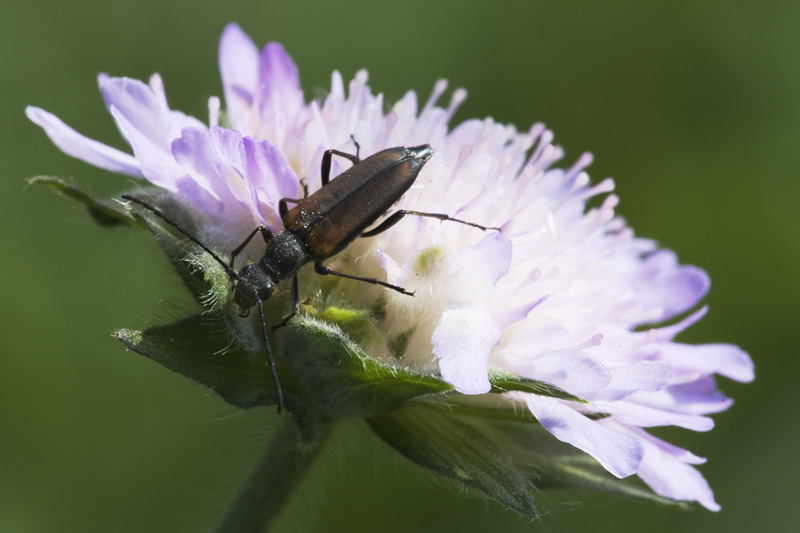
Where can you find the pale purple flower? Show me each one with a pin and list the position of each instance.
(561, 295)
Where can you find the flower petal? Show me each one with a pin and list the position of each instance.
(575, 371)
(194, 152)
(145, 109)
(630, 379)
(635, 413)
(279, 82)
(238, 64)
(271, 174)
(699, 397)
(619, 453)
(504, 317)
(73, 143)
(479, 267)
(668, 332)
(663, 283)
(666, 471)
(462, 341)
(158, 165)
(149, 126)
(724, 359)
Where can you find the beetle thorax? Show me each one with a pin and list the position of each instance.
(285, 254)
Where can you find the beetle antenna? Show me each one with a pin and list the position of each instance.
(271, 360)
(232, 273)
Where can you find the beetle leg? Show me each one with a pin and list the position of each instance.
(325, 170)
(397, 215)
(295, 303)
(358, 146)
(319, 268)
(265, 232)
(283, 208)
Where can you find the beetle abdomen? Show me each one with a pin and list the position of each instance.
(334, 216)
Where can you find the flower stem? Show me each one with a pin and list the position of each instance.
(279, 471)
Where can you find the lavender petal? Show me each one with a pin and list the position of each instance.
(619, 453)
(76, 145)
(239, 66)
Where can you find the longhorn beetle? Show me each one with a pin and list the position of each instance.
(320, 226)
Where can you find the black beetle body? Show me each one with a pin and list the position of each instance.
(325, 223)
(322, 225)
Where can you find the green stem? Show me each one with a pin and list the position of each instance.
(279, 471)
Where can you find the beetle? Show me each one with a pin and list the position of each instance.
(320, 226)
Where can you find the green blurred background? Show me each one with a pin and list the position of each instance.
(693, 108)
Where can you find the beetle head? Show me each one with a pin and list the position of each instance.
(255, 284)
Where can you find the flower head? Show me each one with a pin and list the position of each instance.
(563, 296)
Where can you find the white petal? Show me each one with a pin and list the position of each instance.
(462, 341)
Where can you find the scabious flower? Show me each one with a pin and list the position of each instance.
(562, 322)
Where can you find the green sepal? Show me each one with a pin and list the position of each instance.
(195, 348)
(501, 452)
(503, 381)
(318, 366)
(103, 212)
(457, 450)
(557, 464)
(342, 380)
(583, 472)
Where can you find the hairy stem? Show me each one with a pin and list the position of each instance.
(278, 472)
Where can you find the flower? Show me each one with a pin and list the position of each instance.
(563, 295)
